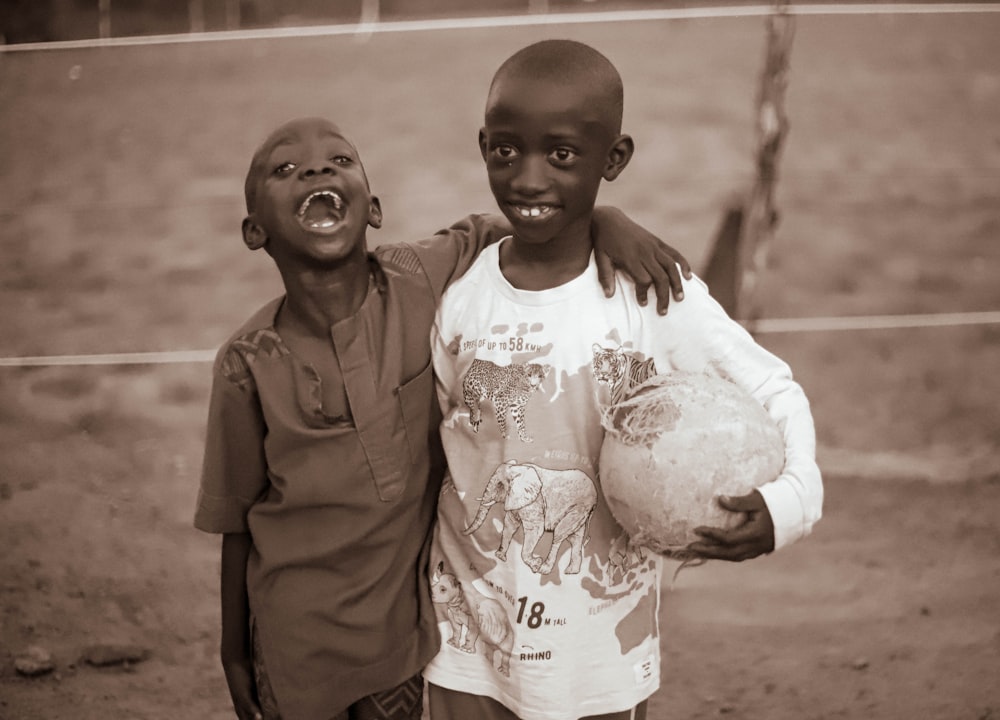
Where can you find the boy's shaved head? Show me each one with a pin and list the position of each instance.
(567, 62)
(289, 130)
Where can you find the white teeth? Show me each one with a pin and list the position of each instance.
(533, 212)
(338, 202)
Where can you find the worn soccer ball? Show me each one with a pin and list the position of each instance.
(673, 446)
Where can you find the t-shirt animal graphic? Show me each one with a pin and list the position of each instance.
(542, 601)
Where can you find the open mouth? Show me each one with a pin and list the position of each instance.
(533, 212)
(322, 210)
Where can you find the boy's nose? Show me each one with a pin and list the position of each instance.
(318, 167)
(532, 177)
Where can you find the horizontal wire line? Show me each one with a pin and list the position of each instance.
(763, 326)
(511, 21)
(942, 174)
(136, 358)
(873, 322)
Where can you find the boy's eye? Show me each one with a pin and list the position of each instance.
(284, 168)
(505, 152)
(342, 159)
(563, 154)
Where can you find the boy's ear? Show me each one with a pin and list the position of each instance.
(374, 212)
(482, 142)
(254, 236)
(618, 157)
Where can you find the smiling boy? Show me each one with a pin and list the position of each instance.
(322, 458)
(546, 610)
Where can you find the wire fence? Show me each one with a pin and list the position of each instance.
(371, 18)
(537, 12)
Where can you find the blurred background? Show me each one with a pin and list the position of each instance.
(121, 170)
(54, 20)
(50, 20)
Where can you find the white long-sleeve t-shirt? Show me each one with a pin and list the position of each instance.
(542, 602)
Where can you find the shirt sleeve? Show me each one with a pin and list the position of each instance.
(705, 337)
(234, 471)
(448, 253)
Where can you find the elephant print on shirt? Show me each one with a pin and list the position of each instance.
(485, 620)
(508, 387)
(540, 500)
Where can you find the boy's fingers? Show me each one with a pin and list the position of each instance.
(605, 273)
(712, 551)
(664, 287)
(716, 536)
(733, 551)
(662, 301)
(676, 284)
(641, 293)
(751, 502)
(686, 268)
(715, 552)
(728, 537)
(736, 504)
(677, 259)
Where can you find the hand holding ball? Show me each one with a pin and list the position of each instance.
(673, 446)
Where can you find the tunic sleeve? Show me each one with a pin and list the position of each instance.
(448, 253)
(234, 471)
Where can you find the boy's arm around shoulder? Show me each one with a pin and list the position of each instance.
(648, 261)
(786, 509)
(446, 255)
(619, 243)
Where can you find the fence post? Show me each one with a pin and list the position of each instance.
(196, 15)
(761, 214)
(369, 12)
(103, 19)
(740, 248)
(233, 19)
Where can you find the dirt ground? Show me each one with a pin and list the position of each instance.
(887, 611)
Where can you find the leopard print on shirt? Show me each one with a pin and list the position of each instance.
(507, 387)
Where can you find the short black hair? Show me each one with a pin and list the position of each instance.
(568, 61)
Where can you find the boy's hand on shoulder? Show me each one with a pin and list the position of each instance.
(753, 537)
(242, 689)
(622, 244)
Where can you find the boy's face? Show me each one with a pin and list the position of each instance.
(547, 146)
(311, 202)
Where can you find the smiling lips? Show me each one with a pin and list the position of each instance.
(321, 210)
(533, 212)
